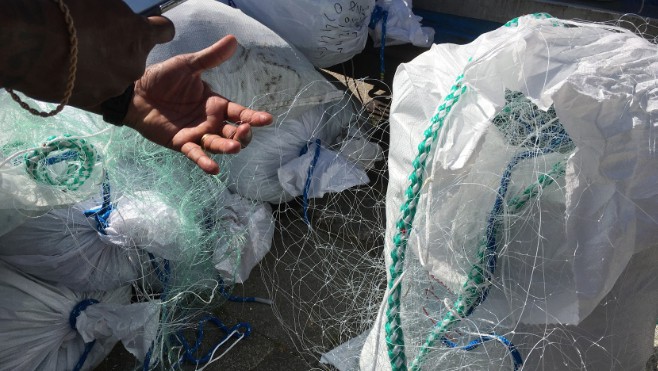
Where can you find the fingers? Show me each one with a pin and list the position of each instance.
(216, 143)
(238, 113)
(195, 153)
(162, 29)
(214, 55)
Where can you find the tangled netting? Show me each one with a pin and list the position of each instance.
(467, 248)
(485, 266)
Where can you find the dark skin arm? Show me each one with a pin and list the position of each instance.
(172, 106)
(113, 44)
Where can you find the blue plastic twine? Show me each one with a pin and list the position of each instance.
(309, 177)
(102, 213)
(516, 355)
(241, 329)
(73, 317)
(379, 14)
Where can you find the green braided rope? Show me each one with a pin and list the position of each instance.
(393, 328)
(476, 279)
(544, 180)
(76, 172)
(515, 22)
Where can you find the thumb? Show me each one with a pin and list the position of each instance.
(215, 54)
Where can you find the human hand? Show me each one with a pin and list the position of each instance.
(113, 43)
(173, 107)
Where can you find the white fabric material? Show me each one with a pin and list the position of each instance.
(327, 32)
(603, 86)
(63, 246)
(267, 74)
(34, 321)
(144, 220)
(345, 357)
(402, 25)
(331, 173)
(250, 229)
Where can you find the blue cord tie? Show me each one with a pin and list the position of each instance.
(240, 299)
(75, 312)
(239, 330)
(309, 176)
(163, 275)
(516, 355)
(102, 213)
(65, 156)
(379, 14)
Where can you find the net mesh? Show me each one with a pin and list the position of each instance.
(327, 274)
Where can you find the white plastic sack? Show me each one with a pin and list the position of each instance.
(249, 232)
(143, 220)
(326, 32)
(267, 74)
(558, 266)
(328, 172)
(34, 321)
(63, 246)
(402, 25)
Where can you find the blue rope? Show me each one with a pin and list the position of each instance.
(163, 275)
(240, 299)
(241, 329)
(309, 177)
(232, 3)
(379, 14)
(73, 317)
(102, 213)
(65, 156)
(516, 355)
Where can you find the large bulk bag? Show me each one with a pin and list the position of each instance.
(532, 216)
(267, 74)
(326, 32)
(66, 246)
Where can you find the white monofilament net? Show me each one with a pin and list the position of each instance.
(535, 208)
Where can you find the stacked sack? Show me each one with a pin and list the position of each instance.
(107, 237)
(66, 292)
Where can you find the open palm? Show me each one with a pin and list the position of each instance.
(174, 107)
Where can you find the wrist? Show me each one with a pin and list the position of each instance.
(115, 110)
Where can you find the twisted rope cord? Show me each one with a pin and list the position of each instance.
(77, 172)
(73, 68)
(478, 282)
(73, 317)
(479, 279)
(393, 328)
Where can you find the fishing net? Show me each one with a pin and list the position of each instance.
(88, 210)
(518, 215)
(526, 239)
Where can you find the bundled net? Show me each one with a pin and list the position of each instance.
(511, 227)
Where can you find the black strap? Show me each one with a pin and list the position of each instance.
(114, 110)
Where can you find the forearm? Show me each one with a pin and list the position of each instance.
(113, 43)
(33, 48)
